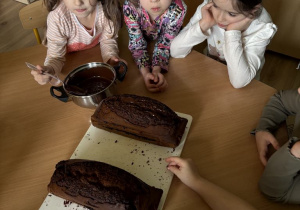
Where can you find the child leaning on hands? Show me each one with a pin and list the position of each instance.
(74, 25)
(216, 197)
(149, 20)
(237, 33)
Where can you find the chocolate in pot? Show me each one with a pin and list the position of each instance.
(89, 86)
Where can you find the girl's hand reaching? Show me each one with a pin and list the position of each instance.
(207, 20)
(240, 25)
(216, 197)
(40, 77)
(184, 169)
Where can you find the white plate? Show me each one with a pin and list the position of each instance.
(144, 160)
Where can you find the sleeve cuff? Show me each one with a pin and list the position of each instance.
(233, 36)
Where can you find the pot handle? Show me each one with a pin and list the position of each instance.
(121, 70)
(63, 97)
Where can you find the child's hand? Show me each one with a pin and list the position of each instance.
(159, 78)
(113, 61)
(149, 82)
(295, 150)
(184, 169)
(207, 20)
(240, 25)
(41, 78)
(154, 82)
(263, 139)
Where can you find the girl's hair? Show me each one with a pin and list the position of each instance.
(135, 2)
(112, 11)
(249, 8)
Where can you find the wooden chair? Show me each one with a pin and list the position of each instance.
(34, 16)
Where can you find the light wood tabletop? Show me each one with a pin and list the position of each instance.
(37, 130)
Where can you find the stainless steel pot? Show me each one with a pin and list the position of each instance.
(89, 84)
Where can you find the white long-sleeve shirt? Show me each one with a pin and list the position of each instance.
(242, 51)
(66, 34)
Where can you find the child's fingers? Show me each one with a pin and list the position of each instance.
(162, 83)
(175, 170)
(209, 5)
(156, 78)
(246, 22)
(114, 58)
(274, 143)
(172, 164)
(42, 79)
(263, 158)
(161, 79)
(150, 76)
(153, 89)
(163, 87)
(40, 69)
(34, 73)
(153, 79)
(240, 25)
(176, 160)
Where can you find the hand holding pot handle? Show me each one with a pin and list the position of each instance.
(121, 70)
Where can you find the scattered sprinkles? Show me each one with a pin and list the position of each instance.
(141, 155)
(67, 203)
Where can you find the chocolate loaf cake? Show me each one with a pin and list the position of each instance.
(141, 118)
(99, 185)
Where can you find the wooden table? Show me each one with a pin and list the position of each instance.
(38, 130)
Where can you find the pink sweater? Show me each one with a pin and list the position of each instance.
(66, 34)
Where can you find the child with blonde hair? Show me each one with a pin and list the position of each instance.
(74, 25)
(149, 20)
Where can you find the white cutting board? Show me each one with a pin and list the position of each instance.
(144, 160)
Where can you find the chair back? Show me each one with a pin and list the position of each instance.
(34, 16)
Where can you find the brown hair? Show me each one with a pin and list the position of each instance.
(250, 8)
(112, 11)
(134, 2)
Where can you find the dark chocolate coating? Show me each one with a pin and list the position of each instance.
(141, 118)
(102, 186)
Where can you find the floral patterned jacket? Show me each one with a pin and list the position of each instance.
(163, 29)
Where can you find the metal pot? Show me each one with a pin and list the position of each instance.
(89, 84)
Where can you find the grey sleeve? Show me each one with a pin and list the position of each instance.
(283, 104)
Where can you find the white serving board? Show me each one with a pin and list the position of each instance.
(144, 160)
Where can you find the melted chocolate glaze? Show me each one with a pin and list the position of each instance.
(96, 184)
(89, 86)
(142, 111)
